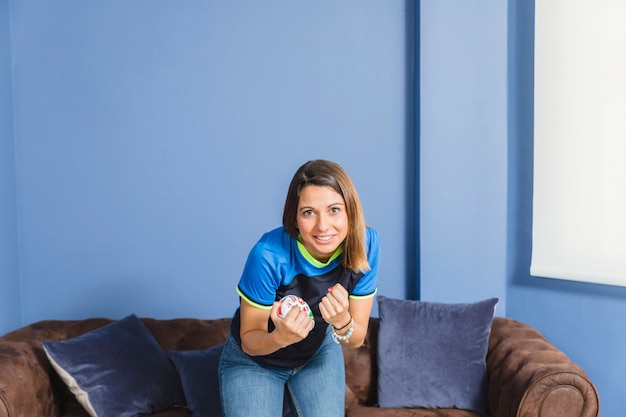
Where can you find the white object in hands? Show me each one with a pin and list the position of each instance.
(290, 301)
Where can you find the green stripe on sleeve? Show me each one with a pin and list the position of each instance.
(252, 303)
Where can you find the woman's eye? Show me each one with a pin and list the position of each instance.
(335, 210)
(307, 213)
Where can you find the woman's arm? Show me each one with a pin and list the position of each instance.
(256, 340)
(337, 309)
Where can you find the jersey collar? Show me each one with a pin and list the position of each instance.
(314, 261)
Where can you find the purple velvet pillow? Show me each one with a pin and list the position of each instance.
(433, 355)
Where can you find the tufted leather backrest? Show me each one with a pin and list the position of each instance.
(361, 370)
(528, 375)
(53, 397)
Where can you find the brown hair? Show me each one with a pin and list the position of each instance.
(327, 173)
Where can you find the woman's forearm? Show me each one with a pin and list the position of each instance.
(260, 342)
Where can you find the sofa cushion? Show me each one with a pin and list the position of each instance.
(433, 355)
(199, 377)
(117, 370)
(198, 370)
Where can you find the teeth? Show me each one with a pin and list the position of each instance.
(324, 238)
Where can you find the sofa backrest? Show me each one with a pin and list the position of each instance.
(175, 334)
(361, 369)
(187, 333)
(192, 334)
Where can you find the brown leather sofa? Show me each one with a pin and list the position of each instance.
(528, 376)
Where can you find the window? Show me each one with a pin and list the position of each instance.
(579, 201)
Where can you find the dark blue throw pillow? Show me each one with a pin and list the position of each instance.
(198, 374)
(433, 355)
(118, 370)
(198, 370)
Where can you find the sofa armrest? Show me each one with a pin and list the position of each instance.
(530, 377)
(25, 386)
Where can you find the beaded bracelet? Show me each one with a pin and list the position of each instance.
(346, 337)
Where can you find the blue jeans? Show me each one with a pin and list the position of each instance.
(316, 389)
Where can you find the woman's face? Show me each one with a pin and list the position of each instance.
(322, 220)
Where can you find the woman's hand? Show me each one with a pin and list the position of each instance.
(334, 307)
(340, 311)
(256, 339)
(292, 328)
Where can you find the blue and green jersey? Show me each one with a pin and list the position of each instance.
(280, 265)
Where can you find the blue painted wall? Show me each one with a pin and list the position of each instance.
(155, 141)
(9, 262)
(585, 320)
(476, 187)
(463, 150)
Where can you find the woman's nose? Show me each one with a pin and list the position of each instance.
(322, 222)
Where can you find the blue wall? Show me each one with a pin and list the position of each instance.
(155, 141)
(585, 320)
(476, 186)
(463, 151)
(9, 267)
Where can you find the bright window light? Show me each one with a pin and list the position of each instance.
(579, 191)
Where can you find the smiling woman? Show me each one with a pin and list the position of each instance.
(328, 174)
(325, 256)
(322, 221)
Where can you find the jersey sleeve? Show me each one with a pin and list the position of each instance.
(367, 285)
(260, 278)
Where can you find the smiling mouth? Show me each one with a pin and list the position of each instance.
(323, 238)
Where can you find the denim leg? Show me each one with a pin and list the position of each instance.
(318, 388)
(247, 388)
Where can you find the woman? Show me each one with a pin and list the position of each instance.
(325, 254)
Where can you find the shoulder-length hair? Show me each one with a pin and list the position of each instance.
(330, 174)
